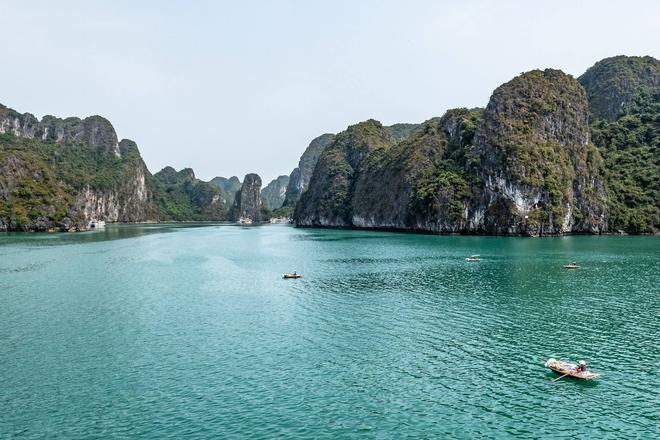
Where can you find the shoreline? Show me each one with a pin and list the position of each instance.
(347, 228)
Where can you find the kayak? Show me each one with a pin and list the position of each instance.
(570, 369)
(291, 275)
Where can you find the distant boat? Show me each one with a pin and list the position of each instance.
(473, 258)
(570, 369)
(96, 224)
(245, 220)
(291, 275)
(572, 265)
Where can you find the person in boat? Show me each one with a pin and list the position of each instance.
(582, 366)
(295, 273)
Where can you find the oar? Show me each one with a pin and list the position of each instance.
(555, 380)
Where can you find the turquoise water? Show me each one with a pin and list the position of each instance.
(190, 332)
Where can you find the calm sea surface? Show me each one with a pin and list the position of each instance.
(190, 332)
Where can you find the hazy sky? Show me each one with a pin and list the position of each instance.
(234, 87)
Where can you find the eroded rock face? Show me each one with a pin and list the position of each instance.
(248, 200)
(94, 131)
(300, 176)
(427, 189)
(524, 165)
(273, 195)
(229, 187)
(59, 174)
(540, 174)
(620, 85)
(328, 200)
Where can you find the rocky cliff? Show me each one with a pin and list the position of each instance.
(181, 196)
(624, 97)
(58, 174)
(300, 176)
(273, 195)
(248, 200)
(427, 188)
(229, 187)
(540, 173)
(524, 165)
(620, 85)
(328, 200)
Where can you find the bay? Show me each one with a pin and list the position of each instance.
(185, 331)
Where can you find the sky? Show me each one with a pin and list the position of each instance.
(228, 87)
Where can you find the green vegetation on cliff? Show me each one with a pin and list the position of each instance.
(180, 196)
(630, 147)
(41, 179)
(624, 96)
(621, 85)
(328, 199)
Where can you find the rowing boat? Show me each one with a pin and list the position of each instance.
(572, 265)
(291, 275)
(473, 258)
(570, 369)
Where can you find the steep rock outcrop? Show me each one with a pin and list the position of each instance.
(94, 131)
(620, 85)
(181, 196)
(126, 200)
(248, 200)
(300, 176)
(420, 184)
(524, 165)
(229, 187)
(540, 173)
(328, 200)
(58, 174)
(625, 126)
(273, 195)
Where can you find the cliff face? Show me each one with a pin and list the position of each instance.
(427, 188)
(58, 174)
(620, 85)
(126, 200)
(300, 176)
(328, 200)
(229, 188)
(524, 165)
(624, 97)
(94, 131)
(181, 196)
(248, 200)
(540, 174)
(273, 195)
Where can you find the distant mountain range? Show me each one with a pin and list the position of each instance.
(549, 154)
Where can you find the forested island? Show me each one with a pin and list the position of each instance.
(549, 154)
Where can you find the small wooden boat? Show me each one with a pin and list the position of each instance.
(571, 370)
(572, 265)
(473, 258)
(291, 275)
